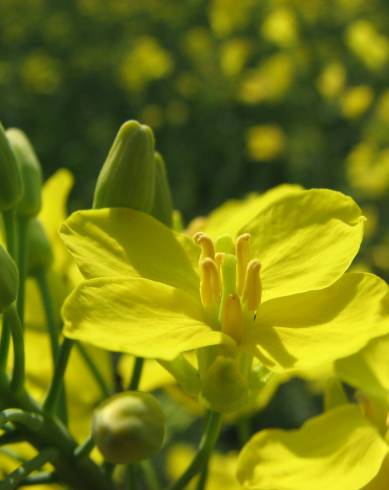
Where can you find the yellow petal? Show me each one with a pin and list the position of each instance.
(127, 243)
(336, 451)
(306, 240)
(368, 370)
(233, 214)
(317, 327)
(138, 316)
(380, 482)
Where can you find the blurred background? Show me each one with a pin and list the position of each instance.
(242, 95)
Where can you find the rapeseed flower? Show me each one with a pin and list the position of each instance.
(265, 279)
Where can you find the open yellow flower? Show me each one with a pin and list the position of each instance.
(345, 448)
(146, 295)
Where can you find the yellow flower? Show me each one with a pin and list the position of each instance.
(346, 447)
(145, 294)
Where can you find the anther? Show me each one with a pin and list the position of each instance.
(242, 252)
(210, 290)
(232, 321)
(206, 244)
(252, 290)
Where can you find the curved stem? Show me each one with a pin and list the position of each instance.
(85, 448)
(93, 369)
(23, 224)
(47, 302)
(32, 420)
(207, 443)
(136, 373)
(150, 476)
(12, 480)
(50, 402)
(12, 320)
(11, 239)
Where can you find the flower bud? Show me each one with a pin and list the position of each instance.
(127, 178)
(31, 201)
(224, 388)
(163, 205)
(11, 184)
(8, 280)
(40, 254)
(129, 427)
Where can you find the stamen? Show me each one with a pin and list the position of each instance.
(252, 291)
(242, 251)
(219, 259)
(232, 321)
(206, 244)
(210, 290)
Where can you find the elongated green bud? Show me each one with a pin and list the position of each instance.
(31, 201)
(11, 184)
(163, 205)
(8, 280)
(129, 427)
(40, 254)
(127, 178)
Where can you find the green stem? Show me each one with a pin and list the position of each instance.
(12, 319)
(85, 448)
(10, 232)
(32, 420)
(78, 474)
(243, 427)
(11, 239)
(23, 224)
(16, 477)
(93, 369)
(44, 290)
(42, 478)
(50, 402)
(202, 477)
(131, 477)
(150, 476)
(207, 443)
(136, 373)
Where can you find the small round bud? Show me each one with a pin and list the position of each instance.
(129, 427)
(31, 201)
(11, 184)
(40, 254)
(8, 280)
(127, 178)
(224, 388)
(163, 205)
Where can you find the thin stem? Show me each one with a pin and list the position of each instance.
(42, 478)
(16, 477)
(202, 477)
(243, 427)
(41, 279)
(32, 420)
(11, 239)
(12, 320)
(130, 477)
(136, 373)
(10, 232)
(23, 224)
(85, 448)
(50, 402)
(150, 476)
(207, 443)
(93, 369)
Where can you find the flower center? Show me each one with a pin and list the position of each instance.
(230, 283)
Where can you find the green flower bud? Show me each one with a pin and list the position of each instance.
(9, 279)
(40, 254)
(129, 427)
(163, 205)
(127, 178)
(11, 184)
(224, 388)
(31, 201)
